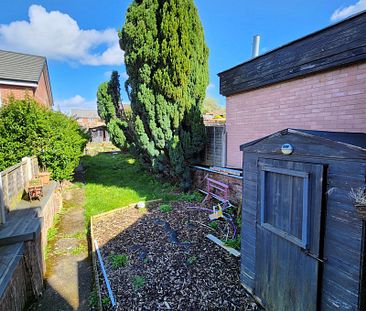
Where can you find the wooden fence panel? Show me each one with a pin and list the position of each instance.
(13, 180)
(215, 152)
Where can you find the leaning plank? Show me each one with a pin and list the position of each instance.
(95, 267)
(231, 250)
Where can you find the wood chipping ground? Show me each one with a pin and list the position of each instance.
(171, 264)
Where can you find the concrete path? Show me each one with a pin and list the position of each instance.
(69, 271)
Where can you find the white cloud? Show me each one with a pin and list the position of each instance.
(210, 86)
(58, 36)
(344, 12)
(75, 102)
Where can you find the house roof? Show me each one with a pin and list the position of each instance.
(21, 67)
(353, 140)
(85, 113)
(338, 45)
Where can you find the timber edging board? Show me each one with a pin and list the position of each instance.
(338, 45)
(94, 258)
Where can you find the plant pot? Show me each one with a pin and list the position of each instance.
(44, 177)
(361, 210)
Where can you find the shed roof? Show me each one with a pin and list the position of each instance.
(353, 140)
(21, 67)
(85, 113)
(337, 45)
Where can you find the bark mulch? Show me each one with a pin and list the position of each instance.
(170, 264)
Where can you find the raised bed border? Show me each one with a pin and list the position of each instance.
(94, 257)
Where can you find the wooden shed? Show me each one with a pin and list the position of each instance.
(303, 241)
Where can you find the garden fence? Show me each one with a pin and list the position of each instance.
(215, 152)
(13, 180)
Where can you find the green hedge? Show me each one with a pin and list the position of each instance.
(27, 128)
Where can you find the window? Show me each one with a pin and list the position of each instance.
(284, 208)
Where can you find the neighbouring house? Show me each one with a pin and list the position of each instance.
(90, 120)
(24, 75)
(317, 82)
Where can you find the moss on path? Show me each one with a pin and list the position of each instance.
(69, 272)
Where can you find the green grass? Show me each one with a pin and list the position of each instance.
(114, 181)
(138, 282)
(118, 260)
(165, 208)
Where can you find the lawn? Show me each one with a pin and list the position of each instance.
(116, 180)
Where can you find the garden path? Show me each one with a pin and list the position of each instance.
(69, 271)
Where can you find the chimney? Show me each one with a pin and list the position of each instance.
(255, 50)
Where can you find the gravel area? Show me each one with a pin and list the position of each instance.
(166, 261)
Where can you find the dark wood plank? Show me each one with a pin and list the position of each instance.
(338, 45)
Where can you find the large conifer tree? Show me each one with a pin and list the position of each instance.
(167, 63)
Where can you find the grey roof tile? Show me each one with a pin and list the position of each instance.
(21, 67)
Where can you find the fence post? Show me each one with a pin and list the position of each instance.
(2, 202)
(28, 169)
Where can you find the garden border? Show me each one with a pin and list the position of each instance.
(94, 258)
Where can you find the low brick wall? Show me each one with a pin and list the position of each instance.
(235, 183)
(23, 280)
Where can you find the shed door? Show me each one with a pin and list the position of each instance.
(288, 234)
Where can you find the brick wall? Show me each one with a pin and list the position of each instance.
(19, 92)
(235, 185)
(40, 93)
(333, 101)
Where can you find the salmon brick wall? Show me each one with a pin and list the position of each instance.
(332, 101)
(41, 94)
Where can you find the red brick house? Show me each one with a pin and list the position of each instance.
(24, 75)
(317, 82)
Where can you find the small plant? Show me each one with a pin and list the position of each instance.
(93, 298)
(191, 260)
(106, 301)
(118, 260)
(165, 208)
(358, 196)
(190, 197)
(146, 261)
(214, 225)
(138, 282)
(234, 243)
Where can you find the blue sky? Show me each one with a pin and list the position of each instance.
(79, 37)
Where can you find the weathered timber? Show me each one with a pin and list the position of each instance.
(338, 45)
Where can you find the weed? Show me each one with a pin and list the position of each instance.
(191, 260)
(77, 235)
(190, 197)
(214, 225)
(138, 282)
(79, 249)
(106, 301)
(165, 208)
(146, 261)
(118, 261)
(234, 243)
(93, 298)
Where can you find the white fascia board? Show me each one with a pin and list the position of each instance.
(19, 83)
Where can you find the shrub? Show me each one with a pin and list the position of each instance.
(27, 128)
